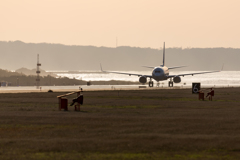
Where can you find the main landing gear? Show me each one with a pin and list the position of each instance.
(150, 84)
(170, 83)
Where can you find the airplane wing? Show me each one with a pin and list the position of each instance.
(168, 67)
(139, 75)
(176, 67)
(148, 67)
(188, 74)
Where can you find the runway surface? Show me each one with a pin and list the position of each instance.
(26, 89)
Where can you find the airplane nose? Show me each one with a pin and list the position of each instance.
(158, 76)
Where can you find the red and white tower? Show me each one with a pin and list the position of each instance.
(38, 72)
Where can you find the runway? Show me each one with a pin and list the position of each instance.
(27, 89)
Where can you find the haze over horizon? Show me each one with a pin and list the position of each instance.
(135, 23)
(64, 57)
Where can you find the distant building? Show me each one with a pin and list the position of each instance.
(4, 84)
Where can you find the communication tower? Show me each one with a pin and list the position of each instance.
(38, 72)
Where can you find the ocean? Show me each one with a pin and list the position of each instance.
(224, 78)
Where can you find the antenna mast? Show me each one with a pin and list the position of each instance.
(38, 72)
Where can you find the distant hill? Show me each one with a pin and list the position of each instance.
(20, 79)
(32, 72)
(18, 54)
(6, 73)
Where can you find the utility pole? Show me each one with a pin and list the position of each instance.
(38, 72)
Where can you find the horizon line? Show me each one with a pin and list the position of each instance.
(160, 48)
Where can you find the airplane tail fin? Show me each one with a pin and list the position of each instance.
(163, 54)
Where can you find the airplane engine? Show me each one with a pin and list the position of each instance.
(143, 79)
(177, 79)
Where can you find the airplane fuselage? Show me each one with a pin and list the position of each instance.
(160, 73)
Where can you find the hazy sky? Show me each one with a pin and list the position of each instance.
(139, 23)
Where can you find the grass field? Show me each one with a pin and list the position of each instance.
(141, 124)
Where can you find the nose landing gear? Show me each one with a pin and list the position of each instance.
(170, 83)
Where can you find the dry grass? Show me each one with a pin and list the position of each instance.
(141, 124)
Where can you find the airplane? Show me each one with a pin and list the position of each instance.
(160, 73)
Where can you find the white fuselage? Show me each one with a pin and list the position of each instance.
(160, 73)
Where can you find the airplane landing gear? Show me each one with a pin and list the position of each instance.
(150, 83)
(170, 83)
(158, 84)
